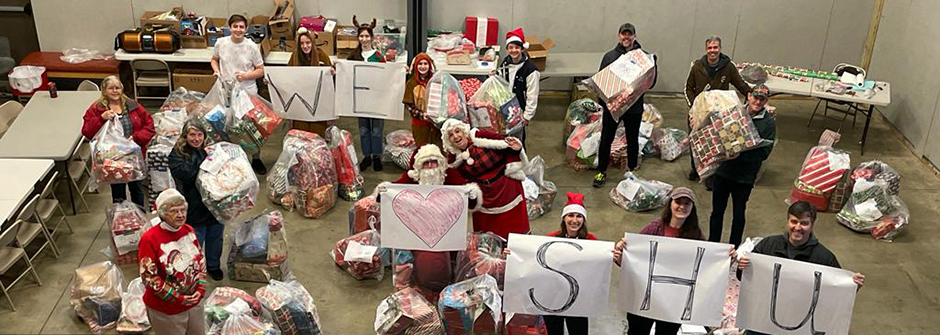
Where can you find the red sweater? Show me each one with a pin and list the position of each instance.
(141, 120)
(171, 267)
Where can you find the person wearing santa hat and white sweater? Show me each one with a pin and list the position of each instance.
(494, 163)
(573, 225)
(522, 75)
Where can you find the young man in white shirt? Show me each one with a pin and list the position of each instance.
(238, 59)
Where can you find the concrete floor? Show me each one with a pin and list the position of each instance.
(897, 299)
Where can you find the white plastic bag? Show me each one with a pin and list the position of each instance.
(26, 78)
(116, 158)
(133, 311)
(226, 182)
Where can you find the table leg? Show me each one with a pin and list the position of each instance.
(868, 116)
(68, 181)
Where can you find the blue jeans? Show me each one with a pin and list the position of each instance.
(211, 238)
(119, 193)
(370, 135)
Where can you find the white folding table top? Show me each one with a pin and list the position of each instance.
(17, 180)
(882, 96)
(573, 64)
(781, 85)
(47, 128)
(195, 56)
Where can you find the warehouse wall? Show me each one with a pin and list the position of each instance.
(905, 55)
(806, 33)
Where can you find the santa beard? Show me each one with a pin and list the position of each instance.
(434, 176)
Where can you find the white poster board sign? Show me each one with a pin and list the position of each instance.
(675, 280)
(371, 90)
(782, 296)
(557, 276)
(424, 217)
(303, 93)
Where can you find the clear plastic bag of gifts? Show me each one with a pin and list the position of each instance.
(874, 206)
(243, 324)
(636, 194)
(304, 177)
(96, 295)
(134, 317)
(237, 116)
(169, 127)
(406, 312)
(291, 306)
(116, 159)
(712, 101)
(492, 107)
(361, 255)
(581, 111)
(224, 302)
(347, 166)
(819, 176)
(399, 146)
(446, 99)
(259, 249)
(181, 99)
(483, 256)
(473, 306)
(226, 182)
(621, 83)
(539, 193)
(363, 214)
(127, 222)
(721, 136)
(670, 143)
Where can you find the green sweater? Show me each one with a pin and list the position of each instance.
(744, 168)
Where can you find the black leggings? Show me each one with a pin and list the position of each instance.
(556, 325)
(638, 325)
(740, 193)
(119, 193)
(631, 123)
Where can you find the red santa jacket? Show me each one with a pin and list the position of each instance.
(140, 119)
(451, 177)
(487, 157)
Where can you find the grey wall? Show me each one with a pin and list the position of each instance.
(808, 33)
(906, 56)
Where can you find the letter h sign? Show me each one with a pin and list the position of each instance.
(654, 279)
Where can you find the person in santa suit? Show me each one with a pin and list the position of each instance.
(428, 272)
(495, 163)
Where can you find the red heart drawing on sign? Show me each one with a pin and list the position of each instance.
(431, 217)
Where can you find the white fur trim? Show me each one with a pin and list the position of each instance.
(426, 153)
(384, 184)
(504, 208)
(516, 170)
(445, 133)
(525, 45)
(574, 208)
(413, 174)
(487, 143)
(474, 193)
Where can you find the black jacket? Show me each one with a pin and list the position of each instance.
(520, 85)
(610, 57)
(744, 168)
(184, 171)
(811, 252)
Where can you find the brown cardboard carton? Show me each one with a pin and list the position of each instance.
(148, 23)
(538, 51)
(261, 20)
(345, 41)
(281, 22)
(193, 79)
(193, 42)
(326, 42)
(211, 37)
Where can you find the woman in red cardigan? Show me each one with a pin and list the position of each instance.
(173, 270)
(137, 123)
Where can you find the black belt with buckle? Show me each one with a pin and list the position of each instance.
(492, 180)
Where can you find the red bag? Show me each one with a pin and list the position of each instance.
(312, 23)
(524, 324)
(364, 212)
(432, 270)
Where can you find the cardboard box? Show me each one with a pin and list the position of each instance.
(326, 42)
(193, 79)
(193, 42)
(148, 23)
(345, 41)
(281, 22)
(261, 21)
(212, 35)
(538, 51)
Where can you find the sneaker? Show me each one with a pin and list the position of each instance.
(365, 164)
(378, 164)
(216, 275)
(258, 166)
(693, 176)
(599, 179)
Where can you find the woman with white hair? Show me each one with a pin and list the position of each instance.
(136, 122)
(495, 164)
(173, 270)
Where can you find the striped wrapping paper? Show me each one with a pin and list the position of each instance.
(435, 97)
(818, 173)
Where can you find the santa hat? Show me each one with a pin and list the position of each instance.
(428, 152)
(575, 205)
(516, 35)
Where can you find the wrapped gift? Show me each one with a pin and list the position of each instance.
(399, 146)
(263, 116)
(116, 159)
(470, 86)
(364, 215)
(134, 317)
(493, 107)
(226, 182)
(407, 312)
(158, 171)
(127, 222)
(259, 249)
(581, 111)
(638, 195)
(524, 324)
(226, 301)
(304, 177)
(482, 31)
(822, 169)
(652, 115)
(840, 193)
(446, 99)
(365, 255)
(242, 324)
(231, 114)
(670, 143)
(471, 307)
(723, 135)
(181, 99)
(426, 271)
(621, 83)
(712, 101)
(291, 306)
(483, 256)
(347, 167)
(96, 294)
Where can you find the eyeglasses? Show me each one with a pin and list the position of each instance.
(177, 211)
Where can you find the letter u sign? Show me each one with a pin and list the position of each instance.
(817, 282)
